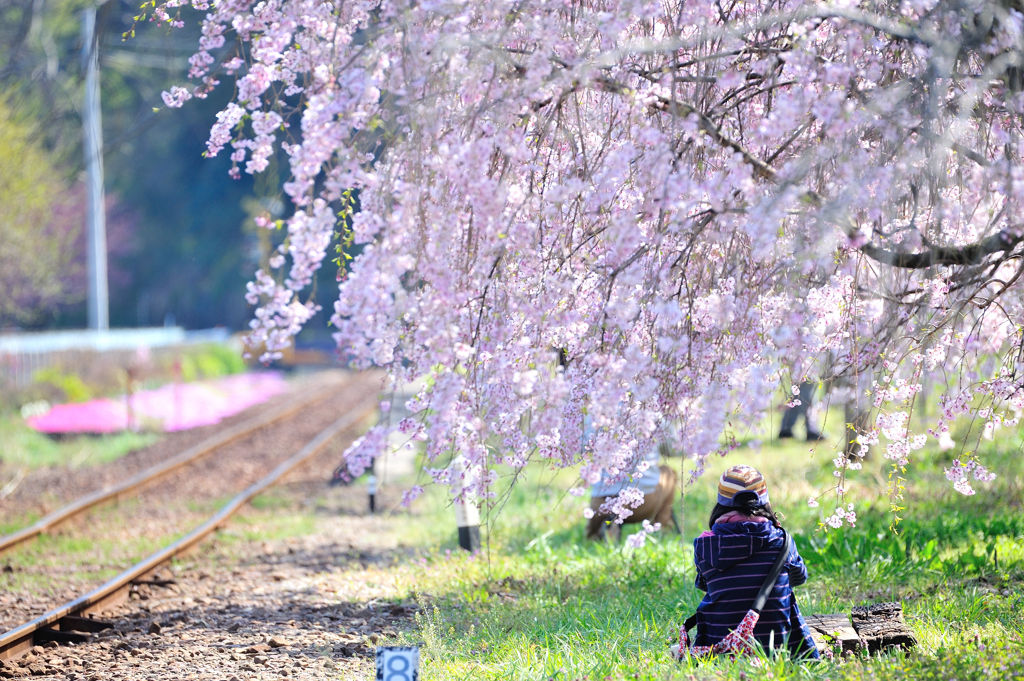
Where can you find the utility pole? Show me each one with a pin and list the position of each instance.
(92, 134)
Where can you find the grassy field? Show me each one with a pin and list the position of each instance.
(22, 447)
(540, 603)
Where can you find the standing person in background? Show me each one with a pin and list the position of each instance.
(656, 482)
(793, 414)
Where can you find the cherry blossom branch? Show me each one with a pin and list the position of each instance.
(971, 254)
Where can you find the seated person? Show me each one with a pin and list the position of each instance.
(733, 558)
(658, 485)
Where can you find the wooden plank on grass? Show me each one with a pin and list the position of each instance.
(833, 630)
(881, 626)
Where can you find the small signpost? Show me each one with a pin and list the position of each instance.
(398, 663)
(467, 519)
(467, 513)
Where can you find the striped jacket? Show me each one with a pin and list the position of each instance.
(732, 563)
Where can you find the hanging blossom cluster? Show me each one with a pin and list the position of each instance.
(598, 227)
(638, 539)
(960, 473)
(841, 515)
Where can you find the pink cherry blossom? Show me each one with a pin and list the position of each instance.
(590, 231)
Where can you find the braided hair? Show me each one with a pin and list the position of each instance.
(746, 503)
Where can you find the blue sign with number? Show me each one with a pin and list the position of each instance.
(398, 663)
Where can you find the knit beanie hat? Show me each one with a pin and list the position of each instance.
(741, 479)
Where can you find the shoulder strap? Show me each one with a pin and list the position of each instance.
(769, 581)
(773, 575)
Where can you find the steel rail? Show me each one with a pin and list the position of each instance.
(161, 469)
(66, 617)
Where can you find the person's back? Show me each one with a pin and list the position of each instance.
(732, 561)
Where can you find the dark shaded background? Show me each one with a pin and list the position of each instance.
(180, 235)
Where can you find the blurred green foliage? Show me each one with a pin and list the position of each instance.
(187, 245)
(37, 246)
(71, 384)
(39, 46)
(211, 361)
(82, 376)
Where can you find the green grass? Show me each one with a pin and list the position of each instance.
(267, 522)
(539, 602)
(270, 501)
(52, 562)
(22, 447)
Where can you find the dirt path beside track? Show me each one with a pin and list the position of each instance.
(308, 608)
(89, 549)
(45, 489)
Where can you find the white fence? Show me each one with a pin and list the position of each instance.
(23, 354)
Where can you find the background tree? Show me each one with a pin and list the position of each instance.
(38, 261)
(692, 200)
(178, 247)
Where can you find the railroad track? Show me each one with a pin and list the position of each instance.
(192, 454)
(70, 623)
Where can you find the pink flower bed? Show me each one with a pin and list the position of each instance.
(172, 407)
